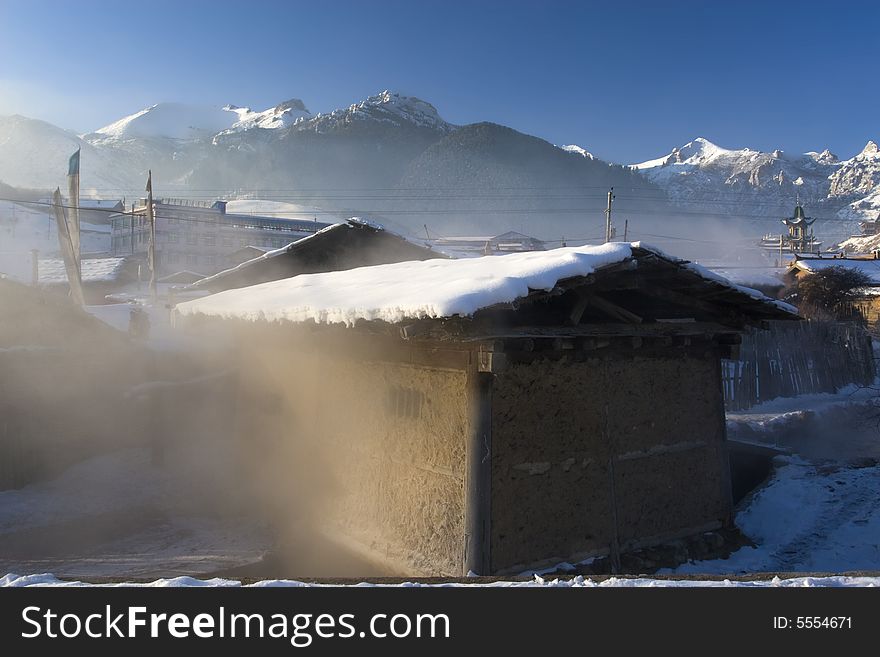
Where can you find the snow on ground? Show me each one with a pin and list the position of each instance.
(161, 335)
(119, 515)
(809, 518)
(40, 580)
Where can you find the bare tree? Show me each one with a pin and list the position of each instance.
(829, 293)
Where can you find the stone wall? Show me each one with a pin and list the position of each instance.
(368, 451)
(627, 448)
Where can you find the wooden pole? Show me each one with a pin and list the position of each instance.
(608, 215)
(151, 221)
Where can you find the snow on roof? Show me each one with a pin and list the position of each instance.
(94, 270)
(752, 276)
(273, 253)
(99, 203)
(871, 267)
(422, 289)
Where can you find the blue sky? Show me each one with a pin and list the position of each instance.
(626, 80)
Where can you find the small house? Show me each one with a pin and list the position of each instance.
(492, 414)
(868, 301)
(100, 276)
(354, 243)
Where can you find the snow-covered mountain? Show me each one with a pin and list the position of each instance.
(281, 116)
(577, 150)
(747, 182)
(859, 175)
(385, 107)
(391, 141)
(35, 154)
(701, 168)
(170, 121)
(181, 122)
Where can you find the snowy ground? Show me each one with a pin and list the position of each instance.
(118, 515)
(819, 511)
(537, 581)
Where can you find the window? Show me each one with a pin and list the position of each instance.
(192, 259)
(191, 240)
(404, 402)
(173, 237)
(209, 240)
(227, 241)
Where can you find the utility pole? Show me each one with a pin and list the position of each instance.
(625, 228)
(151, 219)
(131, 226)
(608, 215)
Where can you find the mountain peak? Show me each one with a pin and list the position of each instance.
(384, 107)
(870, 149)
(696, 151)
(577, 150)
(292, 104)
(171, 120)
(825, 157)
(411, 108)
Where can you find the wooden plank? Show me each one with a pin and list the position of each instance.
(478, 486)
(657, 329)
(613, 310)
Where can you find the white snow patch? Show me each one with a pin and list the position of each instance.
(94, 270)
(577, 150)
(47, 579)
(171, 120)
(407, 290)
(809, 518)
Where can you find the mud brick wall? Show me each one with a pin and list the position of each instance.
(570, 438)
(376, 450)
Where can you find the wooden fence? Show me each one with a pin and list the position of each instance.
(794, 358)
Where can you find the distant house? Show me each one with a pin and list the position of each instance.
(870, 227)
(509, 242)
(489, 415)
(100, 276)
(99, 211)
(869, 297)
(348, 245)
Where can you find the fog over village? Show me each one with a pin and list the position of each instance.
(367, 313)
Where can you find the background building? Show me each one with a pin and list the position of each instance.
(200, 235)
